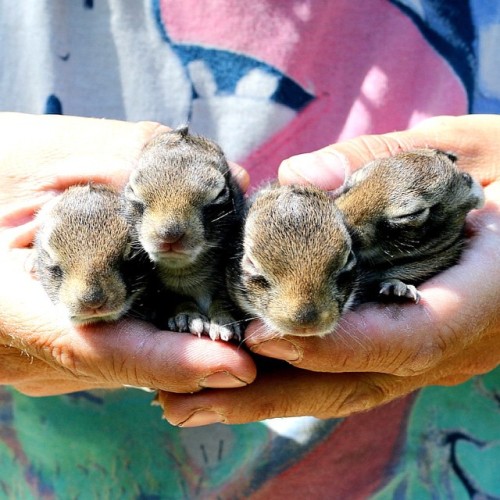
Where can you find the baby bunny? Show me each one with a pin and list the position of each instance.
(84, 257)
(186, 211)
(406, 215)
(294, 269)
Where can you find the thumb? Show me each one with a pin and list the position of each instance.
(328, 167)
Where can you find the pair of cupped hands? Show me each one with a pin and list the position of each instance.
(377, 352)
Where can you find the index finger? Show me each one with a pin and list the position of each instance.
(52, 152)
(128, 352)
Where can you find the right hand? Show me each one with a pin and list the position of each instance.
(43, 354)
(380, 352)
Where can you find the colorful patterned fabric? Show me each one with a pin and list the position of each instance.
(267, 79)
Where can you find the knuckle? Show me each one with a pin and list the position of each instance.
(45, 347)
(262, 411)
(362, 393)
(377, 146)
(418, 361)
(441, 343)
(63, 357)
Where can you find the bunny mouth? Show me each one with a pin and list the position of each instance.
(101, 315)
(177, 258)
(319, 330)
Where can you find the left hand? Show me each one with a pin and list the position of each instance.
(381, 352)
(41, 352)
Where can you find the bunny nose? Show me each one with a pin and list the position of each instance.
(171, 234)
(306, 315)
(170, 237)
(93, 298)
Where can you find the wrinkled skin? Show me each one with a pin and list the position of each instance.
(381, 352)
(41, 352)
(377, 353)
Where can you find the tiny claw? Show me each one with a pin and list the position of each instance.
(196, 326)
(397, 288)
(224, 328)
(226, 336)
(412, 293)
(214, 331)
(182, 323)
(213, 334)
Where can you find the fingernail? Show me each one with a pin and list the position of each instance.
(325, 169)
(221, 380)
(280, 349)
(202, 417)
(241, 176)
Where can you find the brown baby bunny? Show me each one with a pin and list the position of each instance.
(406, 215)
(186, 211)
(294, 269)
(84, 257)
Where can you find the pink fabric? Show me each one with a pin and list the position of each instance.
(364, 80)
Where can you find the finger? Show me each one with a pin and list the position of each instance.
(21, 211)
(20, 236)
(34, 377)
(240, 175)
(286, 393)
(61, 368)
(471, 137)
(468, 136)
(137, 354)
(328, 167)
(126, 352)
(65, 150)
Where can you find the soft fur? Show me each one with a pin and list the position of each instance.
(294, 269)
(84, 257)
(406, 215)
(186, 211)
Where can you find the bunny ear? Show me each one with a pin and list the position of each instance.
(262, 189)
(449, 154)
(335, 193)
(183, 130)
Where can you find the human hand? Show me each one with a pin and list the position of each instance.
(44, 354)
(381, 352)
